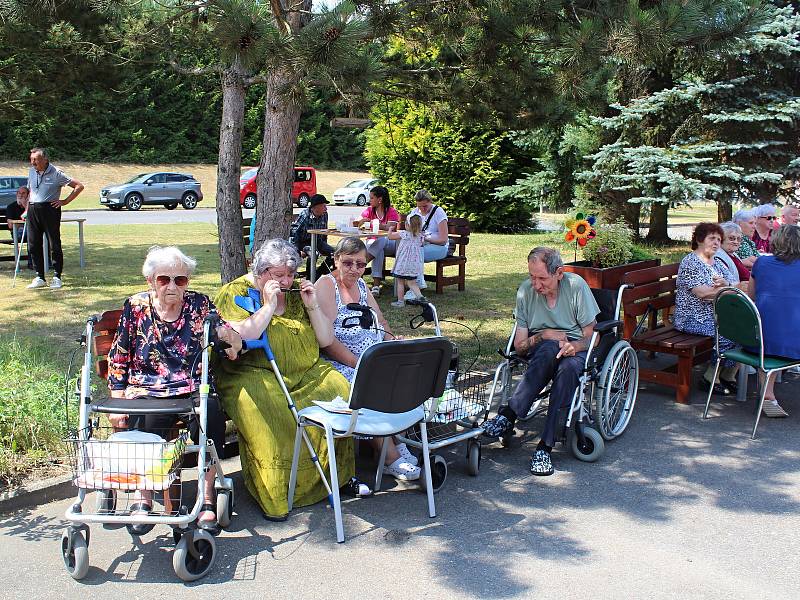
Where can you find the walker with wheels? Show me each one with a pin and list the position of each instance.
(115, 464)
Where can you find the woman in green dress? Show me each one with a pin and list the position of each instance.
(250, 392)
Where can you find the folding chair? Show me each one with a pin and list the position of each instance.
(392, 382)
(737, 318)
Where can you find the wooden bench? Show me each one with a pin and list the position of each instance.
(458, 232)
(5, 239)
(653, 294)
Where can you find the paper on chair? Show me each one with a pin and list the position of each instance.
(337, 405)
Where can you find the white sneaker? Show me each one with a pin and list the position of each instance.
(56, 284)
(37, 283)
(410, 295)
(406, 454)
(400, 469)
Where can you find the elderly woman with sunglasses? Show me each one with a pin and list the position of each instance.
(251, 395)
(155, 355)
(765, 225)
(335, 291)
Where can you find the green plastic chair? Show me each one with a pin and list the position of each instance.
(736, 317)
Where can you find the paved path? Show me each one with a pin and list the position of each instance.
(677, 507)
(158, 216)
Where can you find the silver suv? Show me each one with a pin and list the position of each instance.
(167, 189)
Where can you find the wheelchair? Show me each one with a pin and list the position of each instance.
(603, 402)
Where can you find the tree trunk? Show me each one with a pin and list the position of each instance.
(229, 212)
(276, 174)
(724, 210)
(657, 232)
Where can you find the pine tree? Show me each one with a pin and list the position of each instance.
(728, 131)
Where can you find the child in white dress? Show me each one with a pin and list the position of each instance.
(409, 258)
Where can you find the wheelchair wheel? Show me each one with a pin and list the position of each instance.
(592, 448)
(615, 396)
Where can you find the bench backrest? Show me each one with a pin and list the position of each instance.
(246, 225)
(654, 289)
(104, 331)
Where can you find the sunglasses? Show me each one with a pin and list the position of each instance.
(349, 264)
(180, 280)
(768, 218)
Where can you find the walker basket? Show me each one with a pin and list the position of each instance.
(462, 405)
(103, 459)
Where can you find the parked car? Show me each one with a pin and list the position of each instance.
(356, 191)
(167, 189)
(9, 184)
(304, 186)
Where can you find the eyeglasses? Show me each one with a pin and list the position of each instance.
(768, 218)
(734, 238)
(349, 264)
(180, 280)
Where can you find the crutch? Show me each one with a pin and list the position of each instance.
(251, 303)
(19, 254)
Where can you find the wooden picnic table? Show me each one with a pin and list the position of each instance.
(312, 275)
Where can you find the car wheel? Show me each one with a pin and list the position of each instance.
(171, 206)
(189, 200)
(302, 200)
(361, 200)
(250, 201)
(134, 201)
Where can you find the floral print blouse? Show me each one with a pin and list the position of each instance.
(151, 357)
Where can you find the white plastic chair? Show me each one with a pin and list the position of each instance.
(392, 382)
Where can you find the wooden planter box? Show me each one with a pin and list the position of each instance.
(609, 278)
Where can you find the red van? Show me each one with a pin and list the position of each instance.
(304, 186)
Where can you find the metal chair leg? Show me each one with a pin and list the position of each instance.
(761, 403)
(426, 459)
(337, 503)
(711, 389)
(295, 461)
(381, 461)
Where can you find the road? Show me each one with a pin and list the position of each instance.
(160, 216)
(677, 507)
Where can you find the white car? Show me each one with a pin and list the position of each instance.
(356, 191)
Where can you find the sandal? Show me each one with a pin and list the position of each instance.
(402, 470)
(376, 290)
(356, 488)
(720, 389)
(773, 410)
(207, 524)
(731, 385)
(140, 509)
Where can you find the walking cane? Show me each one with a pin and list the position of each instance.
(19, 254)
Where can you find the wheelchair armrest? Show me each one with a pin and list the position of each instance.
(148, 405)
(606, 326)
(512, 356)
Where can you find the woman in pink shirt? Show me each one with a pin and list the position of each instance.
(379, 208)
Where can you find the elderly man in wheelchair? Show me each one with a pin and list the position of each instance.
(555, 319)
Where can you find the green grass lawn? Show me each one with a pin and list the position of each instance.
(39, 329)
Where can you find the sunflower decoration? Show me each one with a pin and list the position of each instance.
(580, 230)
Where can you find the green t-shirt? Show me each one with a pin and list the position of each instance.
(575, 307)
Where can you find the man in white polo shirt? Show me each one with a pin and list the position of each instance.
(44, 214)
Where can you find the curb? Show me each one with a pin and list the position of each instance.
(36, 493)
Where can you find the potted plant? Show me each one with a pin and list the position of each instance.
(607, 252)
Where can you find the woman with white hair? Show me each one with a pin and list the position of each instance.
(765, 223)
(154, 355)
(252, 397)
(731, 241)
(747, 252)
